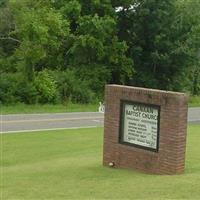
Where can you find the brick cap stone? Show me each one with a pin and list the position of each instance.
(148, 90)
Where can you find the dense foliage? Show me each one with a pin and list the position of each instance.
(66, 50)
(163, 39)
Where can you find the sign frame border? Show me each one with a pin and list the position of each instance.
(121, 125)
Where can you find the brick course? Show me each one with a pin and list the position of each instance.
(170, 159)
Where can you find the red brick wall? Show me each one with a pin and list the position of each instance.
(170, 158)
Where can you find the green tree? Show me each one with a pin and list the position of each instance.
(95, 43)
(189, 26)
(41, 31)
(8, 43)
(158, 43)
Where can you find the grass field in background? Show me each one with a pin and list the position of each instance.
(47, 108)
(67, 164)
(70, 107)
(194, 101)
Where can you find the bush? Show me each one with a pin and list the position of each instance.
(82, 93)
(96, 76)
(65, 84)
(14, 89)
(27, 92)
(71, 88)
(46, 87)
(8, 88)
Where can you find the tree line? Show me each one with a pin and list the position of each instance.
(54, 51)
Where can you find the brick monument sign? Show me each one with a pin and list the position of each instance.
(145, 129)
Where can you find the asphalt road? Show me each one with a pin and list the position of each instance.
(36, 122)
(194, 115)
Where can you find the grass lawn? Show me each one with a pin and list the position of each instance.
(67, 164)
(47, 108)
(194, 101)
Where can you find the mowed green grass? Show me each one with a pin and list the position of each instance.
(20, 108)
(67, 164)
(47, 108)
(194, 101)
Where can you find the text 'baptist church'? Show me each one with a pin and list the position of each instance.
(139, 125)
